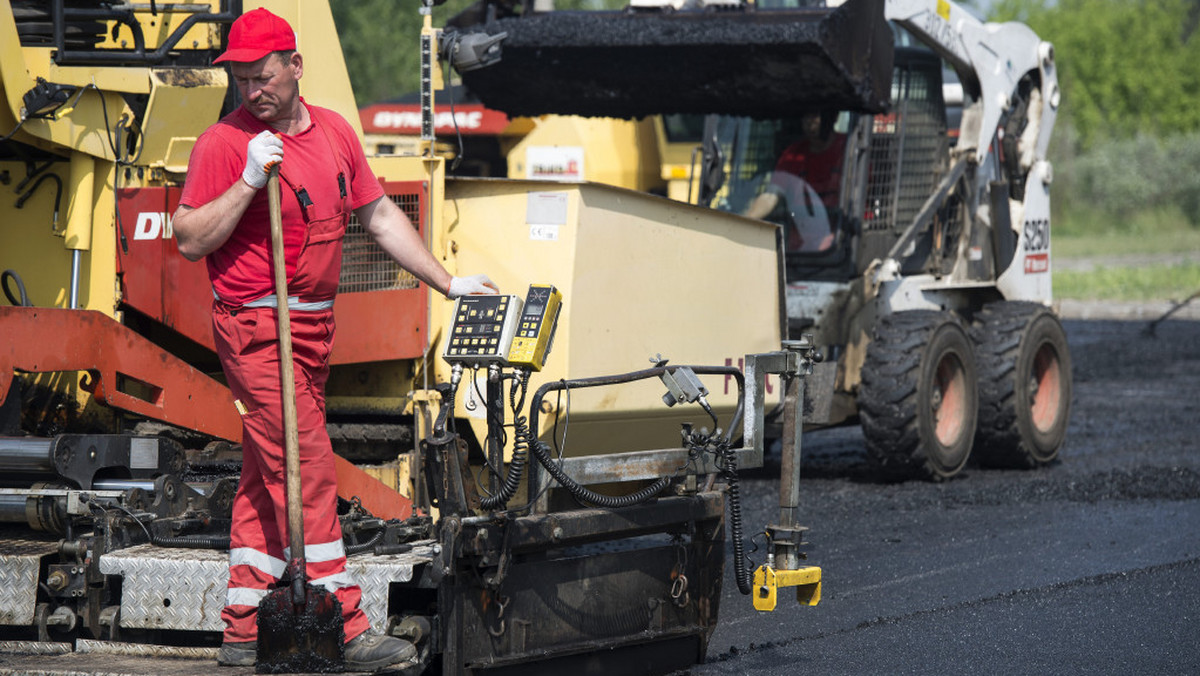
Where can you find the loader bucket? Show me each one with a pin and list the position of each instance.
(758, 63)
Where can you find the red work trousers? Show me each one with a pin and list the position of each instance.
(248, 346)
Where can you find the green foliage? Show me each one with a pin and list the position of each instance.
(1125, 177)
(380, 41)
(1126, 67)
(1141, 184)
(1126, 147)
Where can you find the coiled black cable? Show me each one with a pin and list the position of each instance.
(702, 442)
(727, 462)
(590, 497)
(522, 438)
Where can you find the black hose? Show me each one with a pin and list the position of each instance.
(191, 541)
(58, 191)
(369, 544)
(540, 450)
(31, 172)
(22, 298)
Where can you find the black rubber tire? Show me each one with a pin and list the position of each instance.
(918, 401)
(1024, 385)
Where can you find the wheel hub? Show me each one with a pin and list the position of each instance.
(948, 400)
(1045, 388)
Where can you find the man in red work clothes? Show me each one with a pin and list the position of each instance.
(223, 215)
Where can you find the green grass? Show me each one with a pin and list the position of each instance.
(1109, 242)
(1147, 283)
(1120, 243)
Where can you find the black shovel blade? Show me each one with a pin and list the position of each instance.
(308, 638)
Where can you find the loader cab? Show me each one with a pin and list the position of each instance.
(843, 199)
(791, 172)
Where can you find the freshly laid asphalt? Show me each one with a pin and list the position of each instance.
(1088, 566)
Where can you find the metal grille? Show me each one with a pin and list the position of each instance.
(365, 266)
(908, 152)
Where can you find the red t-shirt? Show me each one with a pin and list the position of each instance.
(240, 269)
(822, 170)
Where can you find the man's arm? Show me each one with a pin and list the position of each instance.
(762, 205)
(200, 231)
(395, 234)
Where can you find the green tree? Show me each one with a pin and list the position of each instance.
(1126, 67)
(380, 41)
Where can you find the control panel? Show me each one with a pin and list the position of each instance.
(535, 333)
(482, 330)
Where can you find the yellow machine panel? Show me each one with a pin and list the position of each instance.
(644, 276)
(623, 153)
(483, 329)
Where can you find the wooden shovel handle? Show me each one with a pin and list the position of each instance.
(287, 382)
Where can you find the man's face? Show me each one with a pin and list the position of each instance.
(812, 126)
(270, 87)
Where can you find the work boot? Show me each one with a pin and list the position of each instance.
(237, 654)
(370, 651)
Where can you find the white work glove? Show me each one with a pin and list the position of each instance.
(262, 152)
(473, 285)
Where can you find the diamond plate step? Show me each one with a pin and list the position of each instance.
(184, 589)
(19, 563)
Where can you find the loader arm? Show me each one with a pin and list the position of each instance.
(990, 59)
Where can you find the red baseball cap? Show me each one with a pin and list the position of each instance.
(256, 34)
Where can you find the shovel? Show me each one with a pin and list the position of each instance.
(300, 625)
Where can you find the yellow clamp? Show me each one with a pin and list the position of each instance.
(767, 581)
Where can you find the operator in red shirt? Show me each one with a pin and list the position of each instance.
(805, 185)
(223, 216)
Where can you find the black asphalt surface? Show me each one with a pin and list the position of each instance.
(1089, 566)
